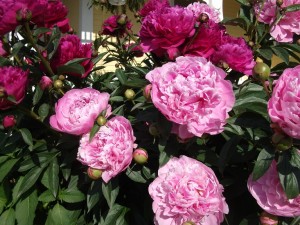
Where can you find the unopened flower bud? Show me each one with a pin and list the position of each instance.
(122, 19)
(140, 156)
(45, 82)
(279, 3)
(95, 53)
(24, 15)
(71, 31)
(58, 84)
(94, 174)
(61, 77)
(117, 65)
(9, 121)
(153, 129)
(129, 94)
(261, 71)
(284, 144)
(251, 43)
(189, 223)
(268, 219)
(101, 120)
(147, 92)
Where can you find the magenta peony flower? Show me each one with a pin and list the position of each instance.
(13, 81)
(270, 195)
(70, 48)
(45, 82)
(283, 106)
(199, 8)
(192, 92)
(289, 24)
(110, 149)
(9, 121)
(187, 190)
(78, 109)
(113, 28)
(166, 29)
(152, 5)
(10, 8)
(204, 43)
(236, 53)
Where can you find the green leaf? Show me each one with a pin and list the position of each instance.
(110, 192)
(37, 95)
(98, 58)
(53, 178)
(46, 196)
(26, 135)
(72, 68)
(25, 209)
(76, 61)
(93, 132)
(265, 53)
(295, 158)
(113, 214)
(8, 217)
(6, 168)
(4, 61)
(117, 99)
(71, 196)
(122, 77)
(16, 189)
(44, 110)
(262, 163)
(16, 48)
(59, 216)
(94, 195)
(41, 30)
(4, 195)
(252, 103)
(281, 53)
(292, 8)
(136, 83)
(135, 175)
(244, 2)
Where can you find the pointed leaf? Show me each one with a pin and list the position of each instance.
(8, 217)
(25, 209)
(71, 196)
(53, 171)
(262, 163)
(6, 168)
(110, 192)
(27, 137)
(59, 216)
(93, 132)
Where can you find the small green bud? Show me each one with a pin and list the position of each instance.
(129, 94)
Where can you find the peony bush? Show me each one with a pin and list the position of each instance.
(193, 126)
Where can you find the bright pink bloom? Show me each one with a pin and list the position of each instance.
(45, 82)
(165, 29)
(187, 190)
(192, 92)
(111, 148)
(284, 105)
(270, 195)
(13, 81)
(199, 8)
(152, 5)
(9, 121)
(70, 48)
(236, 53)
(289, 24)
(113, 28)
(78, 109)
(10, 8)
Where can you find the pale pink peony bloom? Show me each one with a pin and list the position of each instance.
(69, 48)
(112, 27)
(289, 24)
(13, 82)
(192, 92)
(152, 5)
(283, 106)
(9, 121)
(236, 53)
(10, 8)
(45, 82)
(78, 109)
(166, 28)
(181, 131)
(270, 195)
(199, 8)
(111, 148)
(187, 190)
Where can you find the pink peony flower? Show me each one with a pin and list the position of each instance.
(289, 24)
(270, 195)
(167, 28)
(112, 27)
(152, 5)
(110, 149)
(70, 48)
(283, 106)
(192, 92)
(78, 109)
(182, 132)
(187, 190)
(10, 8)
(13, 81)
(204, 43)
(9, 121)
(236, 53)
(202, 8)
(3, 52)
(45, 82)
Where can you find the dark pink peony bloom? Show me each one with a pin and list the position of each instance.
(2, 50)
(113, 28)
(202, 8)
(13, 81)
(270, 195)
(186, 190)
(45, 82)
(70, 48)
(236, 53)
(135, 49)
(167, 28)
(205, 42)
(9, 121)
(289, 24)
(152, 5)
(10, 8)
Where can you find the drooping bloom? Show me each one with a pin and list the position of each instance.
(284, 105)
(187, 190)
(152, 5)
(270, 195)
(111, 148)
(112, 27)
(192, 92)
(202, 8)
(289, 23)
(236, 53)
(77, 110)
(70, 48)
(166, 29)
(13, 82)
(10, 8)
